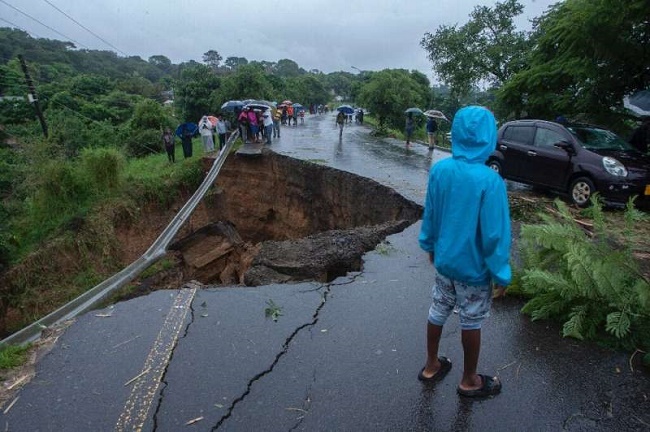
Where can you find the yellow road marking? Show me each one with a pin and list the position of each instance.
(146, 384)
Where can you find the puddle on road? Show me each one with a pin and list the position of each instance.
(275, 219)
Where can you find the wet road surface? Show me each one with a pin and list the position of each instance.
(342, 356)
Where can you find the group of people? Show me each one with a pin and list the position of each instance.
(432, 130)
(289, 113)
(257, 125)
(207, 127)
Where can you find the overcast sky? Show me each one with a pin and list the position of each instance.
(331, 35)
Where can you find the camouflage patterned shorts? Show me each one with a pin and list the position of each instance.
(473, 302)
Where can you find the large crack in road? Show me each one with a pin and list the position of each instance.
(285, 348)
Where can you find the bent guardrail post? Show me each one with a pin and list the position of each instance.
(156, 251)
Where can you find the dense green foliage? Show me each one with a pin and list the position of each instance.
(581, 59)
(389, 92)
(488, 47)
(591, 282)
(103, 158)
(587, 55)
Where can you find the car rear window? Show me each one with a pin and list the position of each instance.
(519, 134)
(600, 139)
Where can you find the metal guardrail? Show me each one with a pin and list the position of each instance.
(156, 251)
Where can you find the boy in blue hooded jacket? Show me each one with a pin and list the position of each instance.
(466, 231)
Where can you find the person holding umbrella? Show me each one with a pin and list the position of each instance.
(205, 129)
(340, 121)
(432, 128)
(186, 131)
(267, 119)
(410, 126)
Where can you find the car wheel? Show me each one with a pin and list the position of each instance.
(494, 165)
(581, 191)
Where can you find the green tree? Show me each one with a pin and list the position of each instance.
(213, 59)
(233, 63)
(340, 83)
(487, 48)
(161, 62)
(248, 82)
(148, 114)
(389, 92)
(288, 68)
(306, 89)
(193, 92)
(587, 56)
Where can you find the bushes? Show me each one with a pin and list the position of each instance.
(590, 282)
(102, 167)
(140, 143)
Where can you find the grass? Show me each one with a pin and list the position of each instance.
(12, 356)
(162, 265)
(318, 161)
(65, 226)
(384, 248)
(419, 134)
(272, 310)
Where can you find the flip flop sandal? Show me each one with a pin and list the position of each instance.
(445, 367)
(491, 386)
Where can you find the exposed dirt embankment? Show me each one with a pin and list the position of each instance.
(275, 197)
(278, 219)
(321, 219)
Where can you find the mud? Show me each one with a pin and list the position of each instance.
(277, 219)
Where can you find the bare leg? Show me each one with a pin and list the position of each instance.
(433, 341)
(471, 349)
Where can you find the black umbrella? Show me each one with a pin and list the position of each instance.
(232, 105)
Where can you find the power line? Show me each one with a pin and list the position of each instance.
(74, 111)
(44, 25)
(87, 29)
(20, 28)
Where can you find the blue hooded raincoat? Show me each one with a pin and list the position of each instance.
(466, 221)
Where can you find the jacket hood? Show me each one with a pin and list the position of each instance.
(473, 134)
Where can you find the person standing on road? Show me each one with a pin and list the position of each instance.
(466, 232)
(205, 129)
(410, 126)
(277, 116)
(222, 130)
(432, 129)
(243, 124)
(289, 113)
(168, 143)
(340, 121)
(267, 118)
(253, 125)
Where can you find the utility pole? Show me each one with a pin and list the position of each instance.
(32, 95)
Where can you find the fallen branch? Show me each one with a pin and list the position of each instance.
(196, 420)
(10, 405)
(632, 358)
(20, 380)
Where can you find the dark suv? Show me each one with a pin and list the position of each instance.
(574, 159)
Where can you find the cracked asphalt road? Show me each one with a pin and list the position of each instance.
(342, 356)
